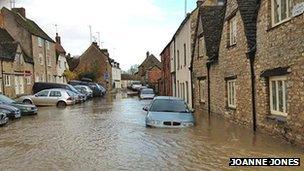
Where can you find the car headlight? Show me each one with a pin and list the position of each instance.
(187, 124)
(154, 122)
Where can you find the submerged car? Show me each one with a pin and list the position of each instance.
(50, 97)
(26, 109)
(147, 93)
(11, 111)
(3, 119)
(168, 112)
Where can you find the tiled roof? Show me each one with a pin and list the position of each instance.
(151, 61)
(8, 50)
(212, 19)
(249, 12)
(5, 36)
(59, 48)
(73, 63)
(30, 26)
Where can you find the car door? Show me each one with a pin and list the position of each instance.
(54, 97)
(40, 98)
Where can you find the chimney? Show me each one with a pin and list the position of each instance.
(148, 54)
(58, 39)
(20, 11)
(199, 3)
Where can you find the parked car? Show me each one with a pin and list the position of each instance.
(50, 97)
(12, 112)
(37, 87)
(103, 90)
(97, 91)
(3, 119)
(168, 112)
(136, 85)
(143, 87)
(26, 109)
(84, 90)
(147, 93)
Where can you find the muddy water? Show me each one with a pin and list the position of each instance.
(110, 134)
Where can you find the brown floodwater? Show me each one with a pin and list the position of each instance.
(110, 134)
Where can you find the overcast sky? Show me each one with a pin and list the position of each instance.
(128, 28)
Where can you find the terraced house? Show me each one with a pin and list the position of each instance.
(35, 43)
(15, 66)
(248, 64)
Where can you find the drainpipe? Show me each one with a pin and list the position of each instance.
(2, 71)
(45, 62)
(208, 85)
(251, 56)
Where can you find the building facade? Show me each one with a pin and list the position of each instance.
(116, 75)
(253, 74)
(165, 86)
(34, 42)
(61, 61)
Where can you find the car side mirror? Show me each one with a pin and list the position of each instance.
(146, 108)
(36, 95)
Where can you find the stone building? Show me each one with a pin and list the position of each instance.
(16, 68)
(34, 42)
(61, 61)
(254, 74)
(165, 82)
(95, 62)
(116, 75)
(149, 70)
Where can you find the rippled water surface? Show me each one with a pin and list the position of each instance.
(110, 134)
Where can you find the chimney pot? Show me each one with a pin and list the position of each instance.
(148, 54)
(199, 3)
(20, 11)
(58, 39)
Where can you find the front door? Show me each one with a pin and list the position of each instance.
(19, 87)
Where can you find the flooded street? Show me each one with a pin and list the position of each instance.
(110, 134)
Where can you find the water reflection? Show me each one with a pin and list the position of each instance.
(110, 134)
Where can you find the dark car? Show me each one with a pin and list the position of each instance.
(26, 109)
(37, 87)
(97, 89)
(12, 112)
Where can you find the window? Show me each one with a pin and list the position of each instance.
(178, 61)
(278, 95)
(59, 64)
(231, 93)
(49, 62)
(47, 45)
(28, 80)
(55, 94)
(221, 2)
(40, 59)
(37, 79)
(40, 42)
(42, 94)
(187, 92)
(232, 31)
(185, 55)
(7, 80)
(202, 88)
(65, 65)
(281, 10)
(201, 47)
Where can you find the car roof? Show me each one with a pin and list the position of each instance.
(167, 98)
(147, 89)
(54, 89)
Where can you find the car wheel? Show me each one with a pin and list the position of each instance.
(27, 101)
(61, 104)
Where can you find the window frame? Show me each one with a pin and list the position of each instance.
(202, 88)
(289, 3)
(7, 81)
(231, 96)
(185, 55)
(28, 80)
(40, 42)
(40, 59)
(201, 48)
(232, 31)
(276, 79)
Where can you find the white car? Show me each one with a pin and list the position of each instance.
(136, 85)
(147, 93)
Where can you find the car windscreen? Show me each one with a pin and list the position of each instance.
(73, 89)
(6, 99)
(147, 91)
(167, 105)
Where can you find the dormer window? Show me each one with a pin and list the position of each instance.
(281, 11)
(232, 31)
(40, 42)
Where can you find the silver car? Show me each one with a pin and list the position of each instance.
(168, 112)
(147, 93)
(50, 97)
(3, 119)
(84, 90)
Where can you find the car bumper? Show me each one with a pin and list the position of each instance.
(172, 125)
(4, 121)
(32, 112)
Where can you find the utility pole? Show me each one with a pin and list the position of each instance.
(90, 27)
(56, 28)
(98, 36)
(186, 8)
